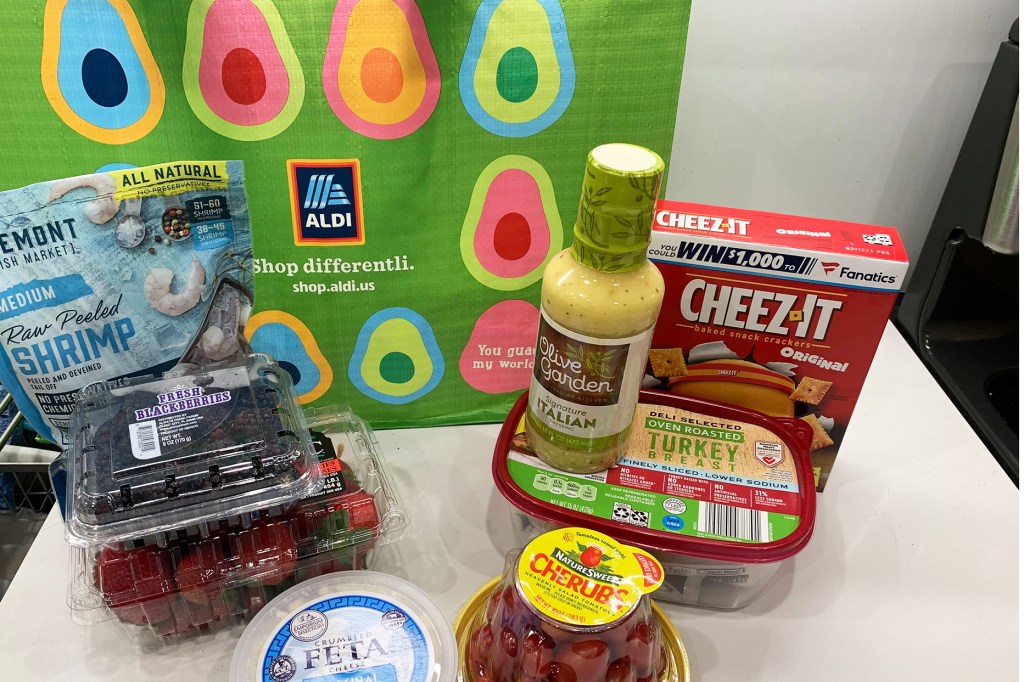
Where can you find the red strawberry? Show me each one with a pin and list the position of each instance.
(206, 614)
(138, 584)
(313, 566)
(362, 511)
(349, 477)
(267, 551)
(200, 571)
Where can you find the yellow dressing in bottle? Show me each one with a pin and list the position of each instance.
(600, 299)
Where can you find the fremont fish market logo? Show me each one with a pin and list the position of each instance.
(326, 199)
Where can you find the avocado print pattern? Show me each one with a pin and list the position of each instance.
(380, 74)
(518, 75)
(287, 339)
(240, 73)
(98, 72)
(396, 357)
(512, 228)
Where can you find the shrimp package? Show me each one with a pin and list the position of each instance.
(118, 274)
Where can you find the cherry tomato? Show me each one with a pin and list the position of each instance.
(538, 651)
(641, 645)
(556, 671)
(591, 557)
(500, 668)
(480, 643)
(492, 604)
(588, 659)
(620, 670)
(509, 596)
(509, 642)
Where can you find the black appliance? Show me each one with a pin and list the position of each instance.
(961, 307)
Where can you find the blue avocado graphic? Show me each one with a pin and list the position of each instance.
(287, 339)
(396, 357)
(98, 71)
(517, 75)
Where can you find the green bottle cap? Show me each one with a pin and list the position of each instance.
(613, 226)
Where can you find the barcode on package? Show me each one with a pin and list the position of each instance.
(732, 522)
(145, 443)
(626, 514)
(878, 239)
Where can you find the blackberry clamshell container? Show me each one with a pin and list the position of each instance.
(190, 571)
(153, 455)
(720, 495)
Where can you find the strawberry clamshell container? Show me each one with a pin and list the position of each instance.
(243, 498)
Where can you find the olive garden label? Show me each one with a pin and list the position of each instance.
(578, 381)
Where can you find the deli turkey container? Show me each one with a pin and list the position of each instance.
(721, 495)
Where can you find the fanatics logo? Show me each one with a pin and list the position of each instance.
(326, 202)
(829, 267)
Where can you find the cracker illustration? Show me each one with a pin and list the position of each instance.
(667, 362)
(811, 391)
(820, 439)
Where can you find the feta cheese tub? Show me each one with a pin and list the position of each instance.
(359, 625)
(720, 495)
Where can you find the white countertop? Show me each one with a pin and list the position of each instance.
(912, 572)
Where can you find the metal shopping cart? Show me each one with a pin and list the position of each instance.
(24, 469)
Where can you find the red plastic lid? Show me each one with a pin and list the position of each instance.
(794, 434)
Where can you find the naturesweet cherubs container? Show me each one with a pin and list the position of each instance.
(572, 606)
(720, 495)
(195, 500)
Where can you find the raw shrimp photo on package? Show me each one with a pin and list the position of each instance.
(117, 274)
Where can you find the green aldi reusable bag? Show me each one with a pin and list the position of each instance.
(410, 166)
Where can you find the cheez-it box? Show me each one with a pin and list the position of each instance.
(771, 312)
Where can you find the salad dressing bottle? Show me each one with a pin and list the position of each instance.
(600, 299)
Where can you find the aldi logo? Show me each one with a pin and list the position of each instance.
(326, 199)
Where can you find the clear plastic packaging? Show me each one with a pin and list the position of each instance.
(720, 495)
(359, 625)
(552, 616)
(688, 579)
(202, 577)
(153, 455)
(471, 617)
